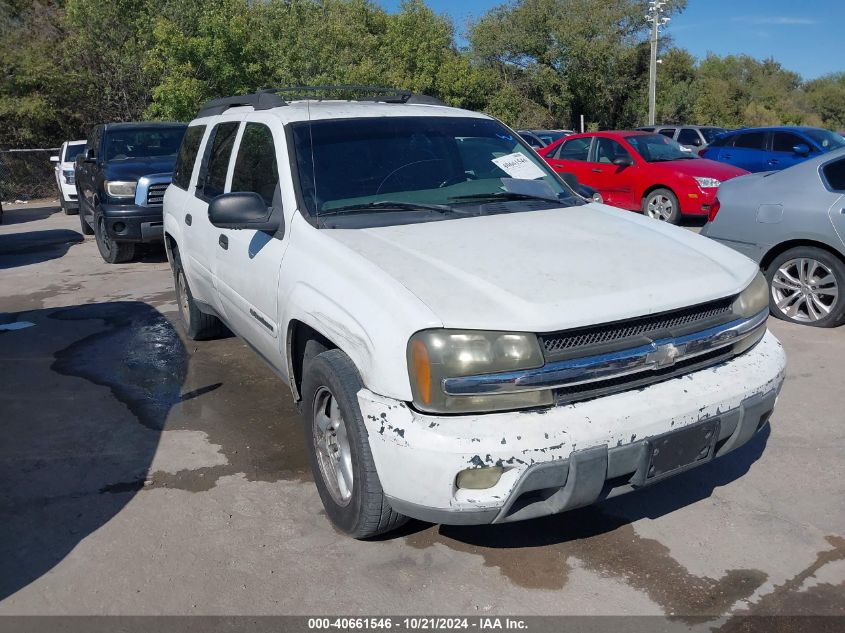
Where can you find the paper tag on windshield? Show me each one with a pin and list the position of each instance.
(518, 165)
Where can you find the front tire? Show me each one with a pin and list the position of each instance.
(112, 252)
(806, 286)
(662, 204)
(83, 225)
(339, 448)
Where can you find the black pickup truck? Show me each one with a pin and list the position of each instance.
(121, 179)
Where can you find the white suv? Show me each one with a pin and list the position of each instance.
(469, 341)
(63, 165)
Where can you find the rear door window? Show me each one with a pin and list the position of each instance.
(751, 140)
(667, 131)
(574, 149)
(212, 180)
(689, 136)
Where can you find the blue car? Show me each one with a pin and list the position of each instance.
(771, 148)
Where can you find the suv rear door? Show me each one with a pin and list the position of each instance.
(248, 262)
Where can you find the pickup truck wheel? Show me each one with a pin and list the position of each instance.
(111, 251)
(807, 286)
(339, 448)
(198, 325)
(662, 204)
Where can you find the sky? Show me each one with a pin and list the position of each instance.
(805, 36)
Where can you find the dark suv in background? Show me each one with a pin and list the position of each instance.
(121, 179)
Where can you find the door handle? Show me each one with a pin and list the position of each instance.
(224, 242)
(596, 170)
(773, 161)
(188, 219)
(727, 155)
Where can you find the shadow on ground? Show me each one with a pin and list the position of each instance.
(28, 214)
(86, 392)
(35, 247)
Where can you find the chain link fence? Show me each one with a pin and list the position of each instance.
(27, 174)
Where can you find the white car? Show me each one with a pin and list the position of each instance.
(65, 178)
(469, 341)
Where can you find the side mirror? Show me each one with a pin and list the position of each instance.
(623, 161)
(801, 149)
(697, 142)
(54, 159)
(90, 155)
(243, 210)
(570, 180)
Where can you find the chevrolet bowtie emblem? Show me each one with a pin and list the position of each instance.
(664, 355)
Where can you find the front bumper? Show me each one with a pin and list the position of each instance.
(697, 201)
(133, 223)
(563, 457)
(69, 200)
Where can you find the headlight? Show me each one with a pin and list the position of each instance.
(68, 176)
(707, 183)
(121, 188)
(434, 355)
(753, 299)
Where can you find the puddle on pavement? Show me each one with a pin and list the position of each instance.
(535, 554)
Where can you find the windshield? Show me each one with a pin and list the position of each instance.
(656, 148)
(825, 139)
(72, 151)
(123, 144)
(447, 161)
(709, 133)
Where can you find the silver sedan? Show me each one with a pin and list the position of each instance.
(791, 222)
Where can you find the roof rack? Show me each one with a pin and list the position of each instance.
(268, 98)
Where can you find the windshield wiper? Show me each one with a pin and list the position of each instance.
(386, 206)
(503, 195)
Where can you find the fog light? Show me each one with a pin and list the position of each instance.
(479, 478)
(119, 227)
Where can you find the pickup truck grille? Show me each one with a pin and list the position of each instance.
(624, 334)
(155, 194)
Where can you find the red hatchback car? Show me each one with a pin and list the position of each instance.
(642, 171)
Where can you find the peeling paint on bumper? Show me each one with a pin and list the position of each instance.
(418, 455)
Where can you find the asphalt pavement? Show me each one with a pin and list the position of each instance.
(143, 473)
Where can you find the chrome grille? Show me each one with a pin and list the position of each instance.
(155, 194)
(677, 321)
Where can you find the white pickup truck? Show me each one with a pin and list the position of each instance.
(469, 341)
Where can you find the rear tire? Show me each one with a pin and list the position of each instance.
(662, 204)
(111, 251)
(198, 325)
(807, 287)
(339, 448)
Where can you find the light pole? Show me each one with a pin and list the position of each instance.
(655, 16)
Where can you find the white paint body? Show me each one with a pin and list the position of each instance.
(368, 290)
(66, 190)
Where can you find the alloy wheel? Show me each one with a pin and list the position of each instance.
(805, 289)
(331, 440)
(660, 207)
(104, 236)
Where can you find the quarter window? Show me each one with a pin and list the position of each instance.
(750, 140)
(222, 142)
(834, 174)
(255, 165)
(574, 149)
(187, 156)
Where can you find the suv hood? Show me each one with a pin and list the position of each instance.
(702, 167)
(542, 271)
(134, 168)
